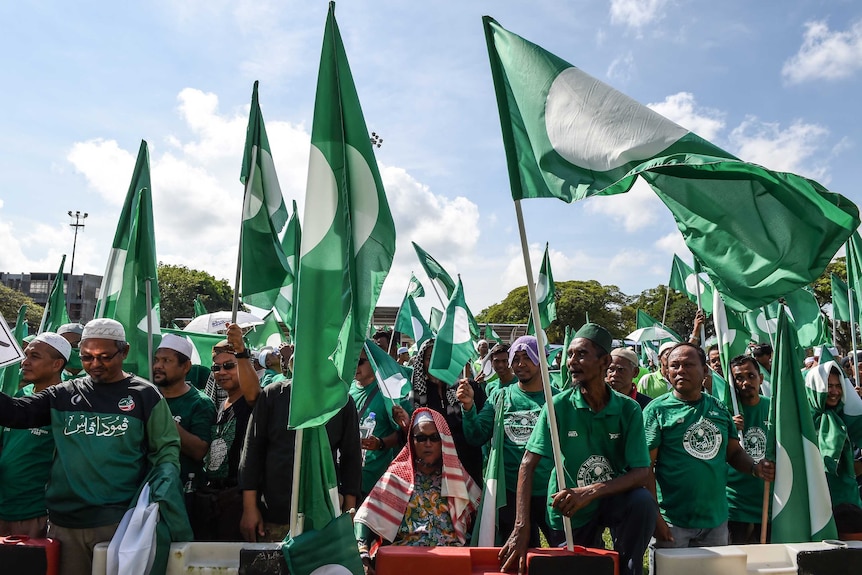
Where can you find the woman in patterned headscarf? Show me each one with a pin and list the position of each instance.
(428, 391)
(425, 498)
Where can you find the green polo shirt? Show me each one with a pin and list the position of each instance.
(691, 465)
(653, 384)
(595, 446)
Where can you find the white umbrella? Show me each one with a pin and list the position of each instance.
(215, 322)
(650, 333)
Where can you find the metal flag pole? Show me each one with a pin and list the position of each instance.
(543, 364)
(852, 334)
(148, 291)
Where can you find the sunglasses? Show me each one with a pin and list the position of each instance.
(433, 438)
(102, 358)
(228, 365)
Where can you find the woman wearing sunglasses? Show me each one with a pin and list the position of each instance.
(427, 487)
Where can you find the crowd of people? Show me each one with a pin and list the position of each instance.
(648, 456)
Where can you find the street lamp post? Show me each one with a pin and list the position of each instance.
(78, 223)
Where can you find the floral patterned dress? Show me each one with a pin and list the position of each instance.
(427, 521)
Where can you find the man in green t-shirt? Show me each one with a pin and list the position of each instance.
(504, 375)
(521, 404)
(656, 384)
(194, 412)
(744, 492)
(25, 458)
(691, 438)
(602, 443)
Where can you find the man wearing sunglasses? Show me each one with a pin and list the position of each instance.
(110, 428)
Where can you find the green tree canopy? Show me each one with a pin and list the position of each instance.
(680, 310)
(11, 301)
(179, 285)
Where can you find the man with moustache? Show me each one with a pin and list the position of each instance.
(25, 458)
(193, 410)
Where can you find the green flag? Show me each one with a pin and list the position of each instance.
(684, 280)
(491, 335)
(414, 288)
(802, 507)
(411, 322)
(131, 265)
(854, 272)
(329, 551)
(546, 292)
(435, 319)
(565, 377)
(761, 322)
(10, 376)
(347, 246)
(494, 490)
(840, 299)
(453, 347)
(393, 379)
(264, 267)
(807, 317)
(55, 313)
(570, 136)
(643, 319)
(731, 334)
(290, 244)
(435, 271)
(267, 335)
(200, 309)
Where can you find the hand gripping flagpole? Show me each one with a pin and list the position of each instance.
(543, 364)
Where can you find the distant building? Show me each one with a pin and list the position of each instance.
(81, 291)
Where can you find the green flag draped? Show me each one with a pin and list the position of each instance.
(132, 264)
(802, 508)
(347, 246)
(453, 347)
(434, 270)
(264, 267)
(55, 313)
(570, 136)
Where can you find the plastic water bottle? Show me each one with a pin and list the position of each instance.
(189, 491)
(366, 429)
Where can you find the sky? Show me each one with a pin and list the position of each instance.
(773, 82)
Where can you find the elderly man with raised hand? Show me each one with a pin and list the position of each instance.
(26, 454)
(621, 374)
(602, 442)
(109, 429)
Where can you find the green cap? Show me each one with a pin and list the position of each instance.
(596, 334)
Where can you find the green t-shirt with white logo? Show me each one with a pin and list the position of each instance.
(691, 469)
(744, 491)
(25, 463)
(595, 446)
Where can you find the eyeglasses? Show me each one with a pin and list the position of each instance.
(433, 438)
(102, 358)
(228, 365)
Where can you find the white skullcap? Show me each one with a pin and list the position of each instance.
(58, 342)
(177, 343)
(104, 328)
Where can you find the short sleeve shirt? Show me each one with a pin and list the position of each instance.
(195, 412)
(744, 491)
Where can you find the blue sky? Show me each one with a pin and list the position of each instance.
(776, 83)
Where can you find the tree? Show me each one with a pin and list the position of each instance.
(179, 286)
(680, 310)
(575, 300)
(822, 286)
(11, 301)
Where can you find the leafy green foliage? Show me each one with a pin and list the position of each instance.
(179, 285)
(11, 301)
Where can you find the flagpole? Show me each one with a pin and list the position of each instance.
(295, 522)
(148, 283)
(764, 514)
(433, 285)
(852, 333)
(700, 308)
(666, 298)
(248, 184)
(543, 364)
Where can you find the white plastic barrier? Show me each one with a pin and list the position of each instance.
(771, 559)
(192, 558)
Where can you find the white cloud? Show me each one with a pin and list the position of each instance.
(622, 67)
(790, 149)
(637, 13)
(637, 209)
(683, 109)
(672, 243)
(825, 54)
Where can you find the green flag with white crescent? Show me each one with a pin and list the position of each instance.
(411, 322)
(347, 246)
(546, 292)
(290, 243)
(453, 347)
(807, 317)
(55, 313)
(569, 136)
(414, 288)
(266, 335)
(761, 322)
(132, 264)
(801, 507)
(435, 271)
(491, 335)
(854, 272)
(730, 332)
(684, 280)
(264, 267)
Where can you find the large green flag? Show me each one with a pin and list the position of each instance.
(453, 347)
(434, 270)
(411, 322)
(347, 246)
(684, 280)
(264, 267)
(802, 507)
(807, 317)
(266, 335)
(414, 288)
(840, 299)
(290, 244)
(55, 313)
(570, 136)
(854, 272)
(131, 265)
(546, 292)
(761, 322)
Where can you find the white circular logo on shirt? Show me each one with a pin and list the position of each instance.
(702, 440)
(519, 425)
(755, 443)
(595, 469)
